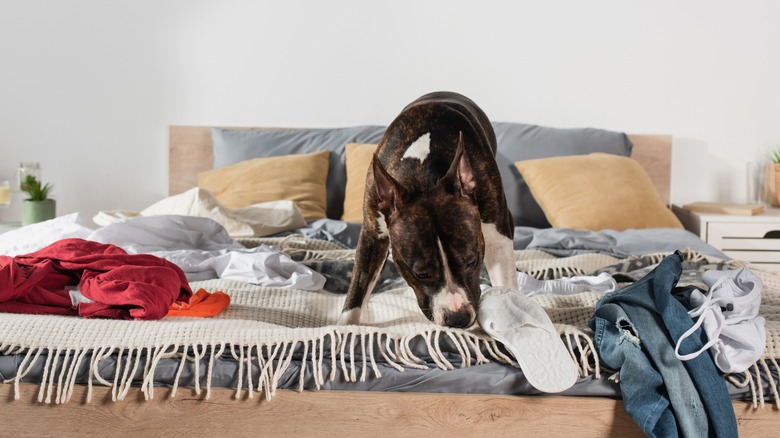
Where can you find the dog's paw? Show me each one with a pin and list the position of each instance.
(350, 317)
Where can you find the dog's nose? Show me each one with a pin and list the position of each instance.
(463, 318)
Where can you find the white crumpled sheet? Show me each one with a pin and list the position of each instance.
(199, 246)
(258, 220)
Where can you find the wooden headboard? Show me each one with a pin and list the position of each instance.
(190, 152)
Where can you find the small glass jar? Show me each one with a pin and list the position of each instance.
(5, 194)
(27, 170)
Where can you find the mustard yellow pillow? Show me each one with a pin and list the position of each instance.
(300, 178)
(358, 159)
(595, 192)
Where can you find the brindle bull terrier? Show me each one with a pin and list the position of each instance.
(434, 195)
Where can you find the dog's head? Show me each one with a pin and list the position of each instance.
(436, 240)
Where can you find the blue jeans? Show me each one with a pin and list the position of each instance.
(636, 328)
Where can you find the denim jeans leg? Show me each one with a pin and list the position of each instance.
(702, 369)
(641, 385)
(683, 395)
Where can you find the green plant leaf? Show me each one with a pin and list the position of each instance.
(774, 154)
(34, 190)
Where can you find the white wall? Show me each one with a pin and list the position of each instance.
(89, 87)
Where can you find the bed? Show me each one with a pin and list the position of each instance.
(357, 381)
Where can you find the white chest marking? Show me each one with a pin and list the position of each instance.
(420, 148)
(382, 225)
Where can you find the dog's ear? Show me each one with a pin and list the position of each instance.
(460, 174)
(388, 190)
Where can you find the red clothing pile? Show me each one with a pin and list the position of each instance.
(122, 286)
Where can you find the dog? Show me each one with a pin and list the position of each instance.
(434, 198)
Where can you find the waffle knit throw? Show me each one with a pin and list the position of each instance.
(263, 327)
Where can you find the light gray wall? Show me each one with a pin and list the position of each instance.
(89, 87)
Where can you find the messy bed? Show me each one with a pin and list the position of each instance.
(263, 223)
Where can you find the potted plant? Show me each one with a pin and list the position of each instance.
(37, 207)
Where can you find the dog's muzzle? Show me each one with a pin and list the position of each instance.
(460, 319)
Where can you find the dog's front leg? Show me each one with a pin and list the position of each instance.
(370, 257)
(499, 257)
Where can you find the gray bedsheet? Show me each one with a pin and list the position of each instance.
(490, 378)
(564, 241)
(558, 241)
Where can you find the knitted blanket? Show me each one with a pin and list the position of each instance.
(268, 328)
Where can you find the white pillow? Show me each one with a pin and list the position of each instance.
(256, 220)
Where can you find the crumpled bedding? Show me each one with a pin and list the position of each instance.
(631, 242)
(258, 220)
(491, 377)
(558, 242)
(199, 246)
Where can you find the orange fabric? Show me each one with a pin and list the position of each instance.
(201, 305)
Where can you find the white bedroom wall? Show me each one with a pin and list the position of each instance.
(89, 87)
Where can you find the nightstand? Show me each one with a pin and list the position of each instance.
(9, 226)
(755, 239)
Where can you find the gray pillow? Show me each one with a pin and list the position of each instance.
(233, 145)
(518, 141)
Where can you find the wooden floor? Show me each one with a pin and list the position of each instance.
(333, 413)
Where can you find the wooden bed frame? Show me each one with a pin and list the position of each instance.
(342, 413)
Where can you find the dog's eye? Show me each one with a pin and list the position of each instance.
(470, 263)
(422, 275)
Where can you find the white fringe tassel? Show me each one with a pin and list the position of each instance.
(754, 377)
(355, 354)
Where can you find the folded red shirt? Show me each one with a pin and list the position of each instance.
(122, 286)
